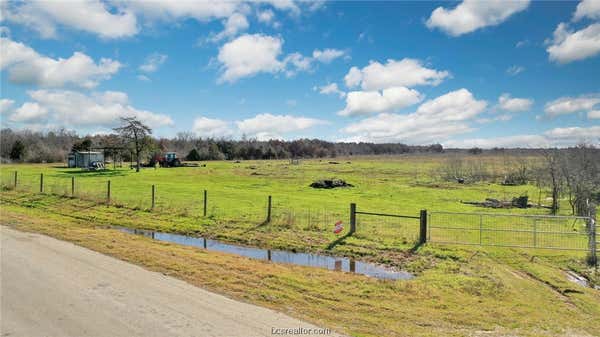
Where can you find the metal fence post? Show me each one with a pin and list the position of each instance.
(593, 259)
(534, 233)
(73, 186)
(205, 201)
(352, 218)
(153, 196)
(41, 183)
(423, 227)
(480, 229)
(269, 209)
(16, 180)
(108, 192)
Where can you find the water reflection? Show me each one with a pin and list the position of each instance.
(278, 256)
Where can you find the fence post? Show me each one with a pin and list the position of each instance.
(534, 233)
(269, 209)
(108, 192)
(41, 183)
(73, 186)
(352, 218)
(593, 258)
(205, 201)
(16, 180)
(153, 196)
(480, 228)
(423, 227)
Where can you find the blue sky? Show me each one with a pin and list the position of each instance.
(458, 73)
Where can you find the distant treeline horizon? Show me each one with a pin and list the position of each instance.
(53, 146)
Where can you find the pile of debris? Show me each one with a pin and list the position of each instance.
(330, 183)
(518, 202)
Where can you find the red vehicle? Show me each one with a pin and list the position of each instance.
(169, 159)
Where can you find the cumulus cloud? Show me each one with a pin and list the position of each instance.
(6, 105)
(569, 105)
(471, 15)
(266, 16)
(153, 62)
(89, 16)
(327, 55)
(593, 114)
(568, 45)
(508, 103)
(29, 112)
(330, 89)
(587, 9)
(435, 120)
(388, 100)
(251, 54)
(75, 109)
(211, 127)
(26, 66)
(234, 24)
(268, 126)
(404, 73)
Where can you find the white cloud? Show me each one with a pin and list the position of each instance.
(265, 16)
(29, 112)
(404, 73)
(453, 106)
(568, 46)
(285, 5)
(515, 70)
(153, 62)
(212, 128)
(471, 15)
(26, 66)
(569, 105)
(249, 55)
(6, 105)
(71, 108)
(593, 114)
(234, 24)
(507, 103)
(560, 137)
(434, 121)
(143, 78)
(327, 55)
(331, 88)
(297, 62)
(267, 126)
(388, 100)
(174, 10)
(89, 16)
(587, 9)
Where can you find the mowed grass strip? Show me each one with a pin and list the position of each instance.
(464, 292)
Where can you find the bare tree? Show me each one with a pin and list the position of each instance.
(580, 167)
(135, 131)
(554, 175)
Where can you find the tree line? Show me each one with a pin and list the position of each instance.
(54, 146)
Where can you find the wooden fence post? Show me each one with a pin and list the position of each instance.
(153, 196)
(41, 183)
(205, 200)
(108, 193)
(269, 209)
(352, 218)
(16, 180)
(73, 186)
(423, 227)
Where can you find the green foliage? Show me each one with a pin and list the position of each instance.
(17, 152)
(193, 155)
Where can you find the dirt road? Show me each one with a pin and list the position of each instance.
(54, 288)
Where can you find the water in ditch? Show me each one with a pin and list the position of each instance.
(279, 256)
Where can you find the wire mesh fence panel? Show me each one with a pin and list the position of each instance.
(388, 230)
(527, 231)
(311, 219)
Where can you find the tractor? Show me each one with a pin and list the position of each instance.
(169, 159)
